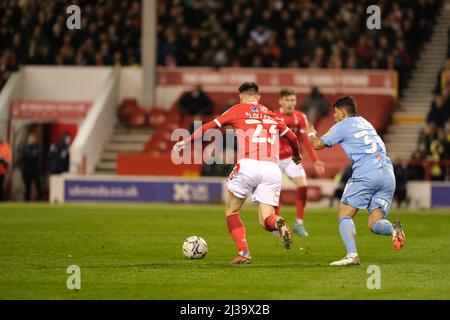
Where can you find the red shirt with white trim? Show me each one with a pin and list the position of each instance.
(257, 129)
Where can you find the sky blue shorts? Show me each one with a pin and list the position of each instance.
(372, 190)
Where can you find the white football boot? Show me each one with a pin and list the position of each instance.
(351, 259)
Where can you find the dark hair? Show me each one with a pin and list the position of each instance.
(348, 103)
(250, 88)
(286, 92)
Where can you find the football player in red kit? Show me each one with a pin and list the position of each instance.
(256, 173)
(298, 123)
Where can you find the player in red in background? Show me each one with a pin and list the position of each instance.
(257, 172)
(298, 123)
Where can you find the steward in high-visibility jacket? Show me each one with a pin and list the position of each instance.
(5, 162)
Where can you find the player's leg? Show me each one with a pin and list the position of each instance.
(267, 195)
(301, 183)
(357, 194)
(298, 176)
(347, 231)
(236, 228)
(380, 206)
(239, 185)
(378, 224)
(282, 164)
(271, 222)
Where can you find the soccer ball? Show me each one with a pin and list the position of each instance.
(195, 247)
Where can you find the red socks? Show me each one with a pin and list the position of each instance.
(270, 222)
(237, 231)
(301, 201)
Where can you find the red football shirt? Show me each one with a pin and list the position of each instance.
(257, 130)
(298, 123)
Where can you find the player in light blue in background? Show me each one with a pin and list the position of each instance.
(372, 184)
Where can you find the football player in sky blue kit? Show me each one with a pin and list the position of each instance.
(372, 184)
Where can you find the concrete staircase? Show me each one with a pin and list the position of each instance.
(123, 140)
(402, 135)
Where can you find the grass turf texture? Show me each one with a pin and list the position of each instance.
(134, 252)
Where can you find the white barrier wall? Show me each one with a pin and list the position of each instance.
(131, 88)
(10, 92)
(130, 83)
(97, 85)
(88, 145)
(63, 83)
(419, 193)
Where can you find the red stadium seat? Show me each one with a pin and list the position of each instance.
(377, 111)
(137, 118)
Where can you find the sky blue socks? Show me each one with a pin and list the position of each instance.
(348, 233)
(383, 227)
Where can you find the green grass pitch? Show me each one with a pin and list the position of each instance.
(134, 252)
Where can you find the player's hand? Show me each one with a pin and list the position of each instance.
(297, 159)
(311, 130)
(319, 166)
(180, 145)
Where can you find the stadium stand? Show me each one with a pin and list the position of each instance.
(191, 34)
(283, 34)
(431, 158)
(34, 32)
(307, 34)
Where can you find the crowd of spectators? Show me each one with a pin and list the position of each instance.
(434, 146)
(257, 33)
(434, 139)
(35, 32)
(305, 34)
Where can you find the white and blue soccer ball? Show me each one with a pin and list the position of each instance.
(195, 247)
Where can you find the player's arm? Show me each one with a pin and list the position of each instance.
(316, 143)
(293, 141)
(308, 146)
(319, 166)
(329, 139)
(218, 122)
(305, 138)
(313, 140)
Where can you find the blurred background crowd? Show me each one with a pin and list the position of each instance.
(258, 33)
(295, 34)
(34, 32)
